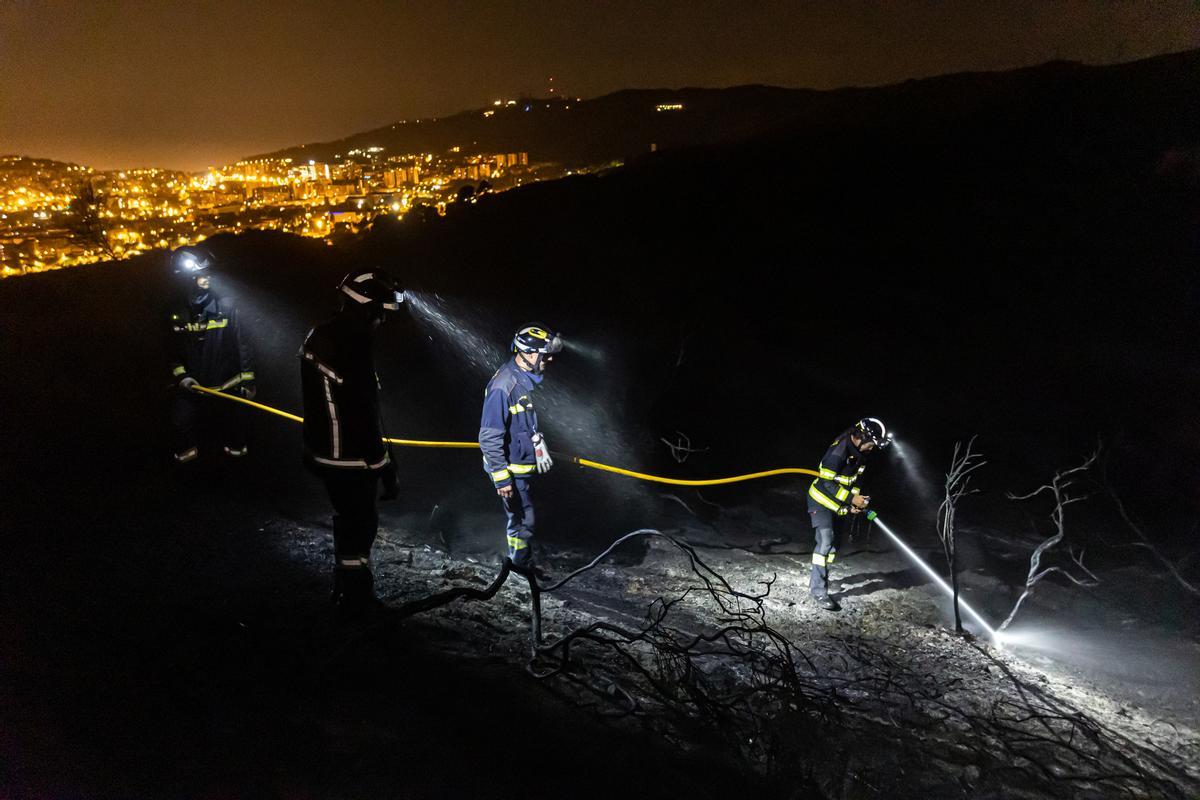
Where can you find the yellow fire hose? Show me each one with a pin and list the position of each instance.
(583, 462)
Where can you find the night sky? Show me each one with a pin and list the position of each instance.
(188, 85)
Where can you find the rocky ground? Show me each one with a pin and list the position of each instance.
(168, 635)
(890, 703)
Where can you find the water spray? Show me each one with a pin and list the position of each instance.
(908, 551)
(913, 468)
(458, 330)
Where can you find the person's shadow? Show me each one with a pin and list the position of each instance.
(865, 583)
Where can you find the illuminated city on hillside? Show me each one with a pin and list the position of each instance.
(48, 221)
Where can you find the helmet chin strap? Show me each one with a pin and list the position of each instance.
(535, 367)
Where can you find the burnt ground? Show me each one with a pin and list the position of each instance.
(181, 645)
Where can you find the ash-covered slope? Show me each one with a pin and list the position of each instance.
(1020, 265)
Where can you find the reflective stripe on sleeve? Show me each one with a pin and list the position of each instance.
(830, 475)
(180, 370)
(335, 433)
(517, 543)
(322, 368)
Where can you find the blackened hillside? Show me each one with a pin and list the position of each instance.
(1011, 254)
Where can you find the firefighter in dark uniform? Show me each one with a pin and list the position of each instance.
(835, 494)
(208, 346)
(343, 433)
(513, 449)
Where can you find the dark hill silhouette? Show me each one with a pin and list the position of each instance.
(625, 123)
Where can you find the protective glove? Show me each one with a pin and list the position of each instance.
(390, 480)
(187, 382)
(248, 390)
(541, 454)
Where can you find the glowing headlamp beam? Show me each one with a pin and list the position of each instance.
(871, 515)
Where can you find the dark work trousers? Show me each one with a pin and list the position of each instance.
(824, 551)
(353, 493)
(519, 509)
(195, 417)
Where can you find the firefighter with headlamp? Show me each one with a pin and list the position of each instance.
(513, 448)
(209, 347)
(343, 431)
(835, 494)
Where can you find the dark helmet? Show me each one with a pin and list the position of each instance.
(192, 260)
(373, 286)
(874, 430)
(537, 338)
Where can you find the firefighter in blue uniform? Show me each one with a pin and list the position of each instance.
(343, 433)
(513, 449)
(835, 494)
(208, 346)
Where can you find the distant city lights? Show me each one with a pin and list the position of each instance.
(132, 211)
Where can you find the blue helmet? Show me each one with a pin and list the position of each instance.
(537, 338)
(873, 430)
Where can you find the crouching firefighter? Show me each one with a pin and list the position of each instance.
(513, 449)
(835, 494)
(208, 346)
(343, 434)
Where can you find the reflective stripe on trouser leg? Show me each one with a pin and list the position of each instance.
(519, 510)
(823, 554)
(355, 524)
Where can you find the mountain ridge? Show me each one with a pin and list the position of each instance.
(625, 123)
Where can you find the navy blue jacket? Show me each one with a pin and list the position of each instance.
(840, 469)
(208, 344)
(508, 424)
